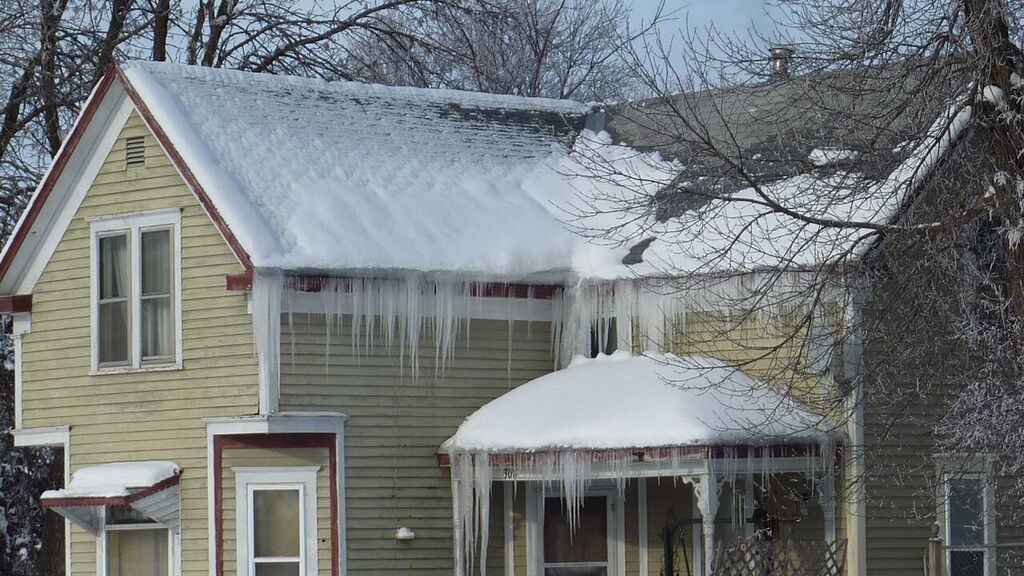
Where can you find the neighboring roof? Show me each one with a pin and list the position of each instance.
(117, 479)
(774, 127)
(848, 148)
(625, 401)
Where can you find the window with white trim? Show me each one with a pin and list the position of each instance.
(277, 521)
(593, 547)
(970, 531)
(136, 288)
(136, 545)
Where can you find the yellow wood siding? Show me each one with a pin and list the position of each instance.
(150, 415)
(771, 349)
(396, 424)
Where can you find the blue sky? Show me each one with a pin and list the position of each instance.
(727, 15)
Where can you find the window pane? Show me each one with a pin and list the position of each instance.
(126, 515)
(966, 512)
(589, 543)
(156, 327)
(114, 275)
(966, 563)
(277, 569)
(276, 523)
(113, 332)
(156, 262)
(137, 553)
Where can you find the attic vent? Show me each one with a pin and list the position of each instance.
(135, 152)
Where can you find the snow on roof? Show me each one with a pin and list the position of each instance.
(347, 177)
(114, 479)
(626, 401)
(311, 174)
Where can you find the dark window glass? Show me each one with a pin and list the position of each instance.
(589, 542)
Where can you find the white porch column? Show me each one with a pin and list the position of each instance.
(707, 503)
(826, 495)
(748, 504)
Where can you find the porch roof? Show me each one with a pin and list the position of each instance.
(624, 401)
(151, 487)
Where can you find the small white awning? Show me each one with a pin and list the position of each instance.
(625, 401)
(151, 487)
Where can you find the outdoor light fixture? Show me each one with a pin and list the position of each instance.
(404, 533)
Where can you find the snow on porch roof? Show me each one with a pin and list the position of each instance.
(114, 481)
(151, 487)
(625, 401)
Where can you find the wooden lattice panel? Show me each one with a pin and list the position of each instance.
(758, 557)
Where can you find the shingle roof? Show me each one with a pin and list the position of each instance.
(320, 175)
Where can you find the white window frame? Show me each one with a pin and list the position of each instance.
(173, 543)
(988, 546)
(134, 225)
(535, 527)
(250, 479)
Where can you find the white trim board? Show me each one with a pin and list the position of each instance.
(278, 423)
(68, 192)
(48, 436)
(22, 324)
(302, 478)
(615, 502)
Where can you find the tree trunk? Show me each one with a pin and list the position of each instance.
(161, 25)
(52, 12)
(217, 25)
(119, 10)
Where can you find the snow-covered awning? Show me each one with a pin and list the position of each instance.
(624, 401)
(624, 416)
(151, 487)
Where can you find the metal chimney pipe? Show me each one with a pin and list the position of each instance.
(780, 57)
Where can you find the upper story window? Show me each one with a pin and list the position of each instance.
(136, 287)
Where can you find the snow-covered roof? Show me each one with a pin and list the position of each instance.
(346, 177)
(310, 174)
(626, 401)
(350, 179)
(114, 480)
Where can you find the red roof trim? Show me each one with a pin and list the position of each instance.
(185, 171)
(314, 283)
(112, 500)
(241, 281)
(59, 163)
(662, 453)
(13, 304)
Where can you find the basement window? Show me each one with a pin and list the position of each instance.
(135, 152)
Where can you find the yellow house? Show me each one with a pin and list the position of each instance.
(283, 326)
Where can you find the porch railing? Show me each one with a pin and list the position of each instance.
(759, 557)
